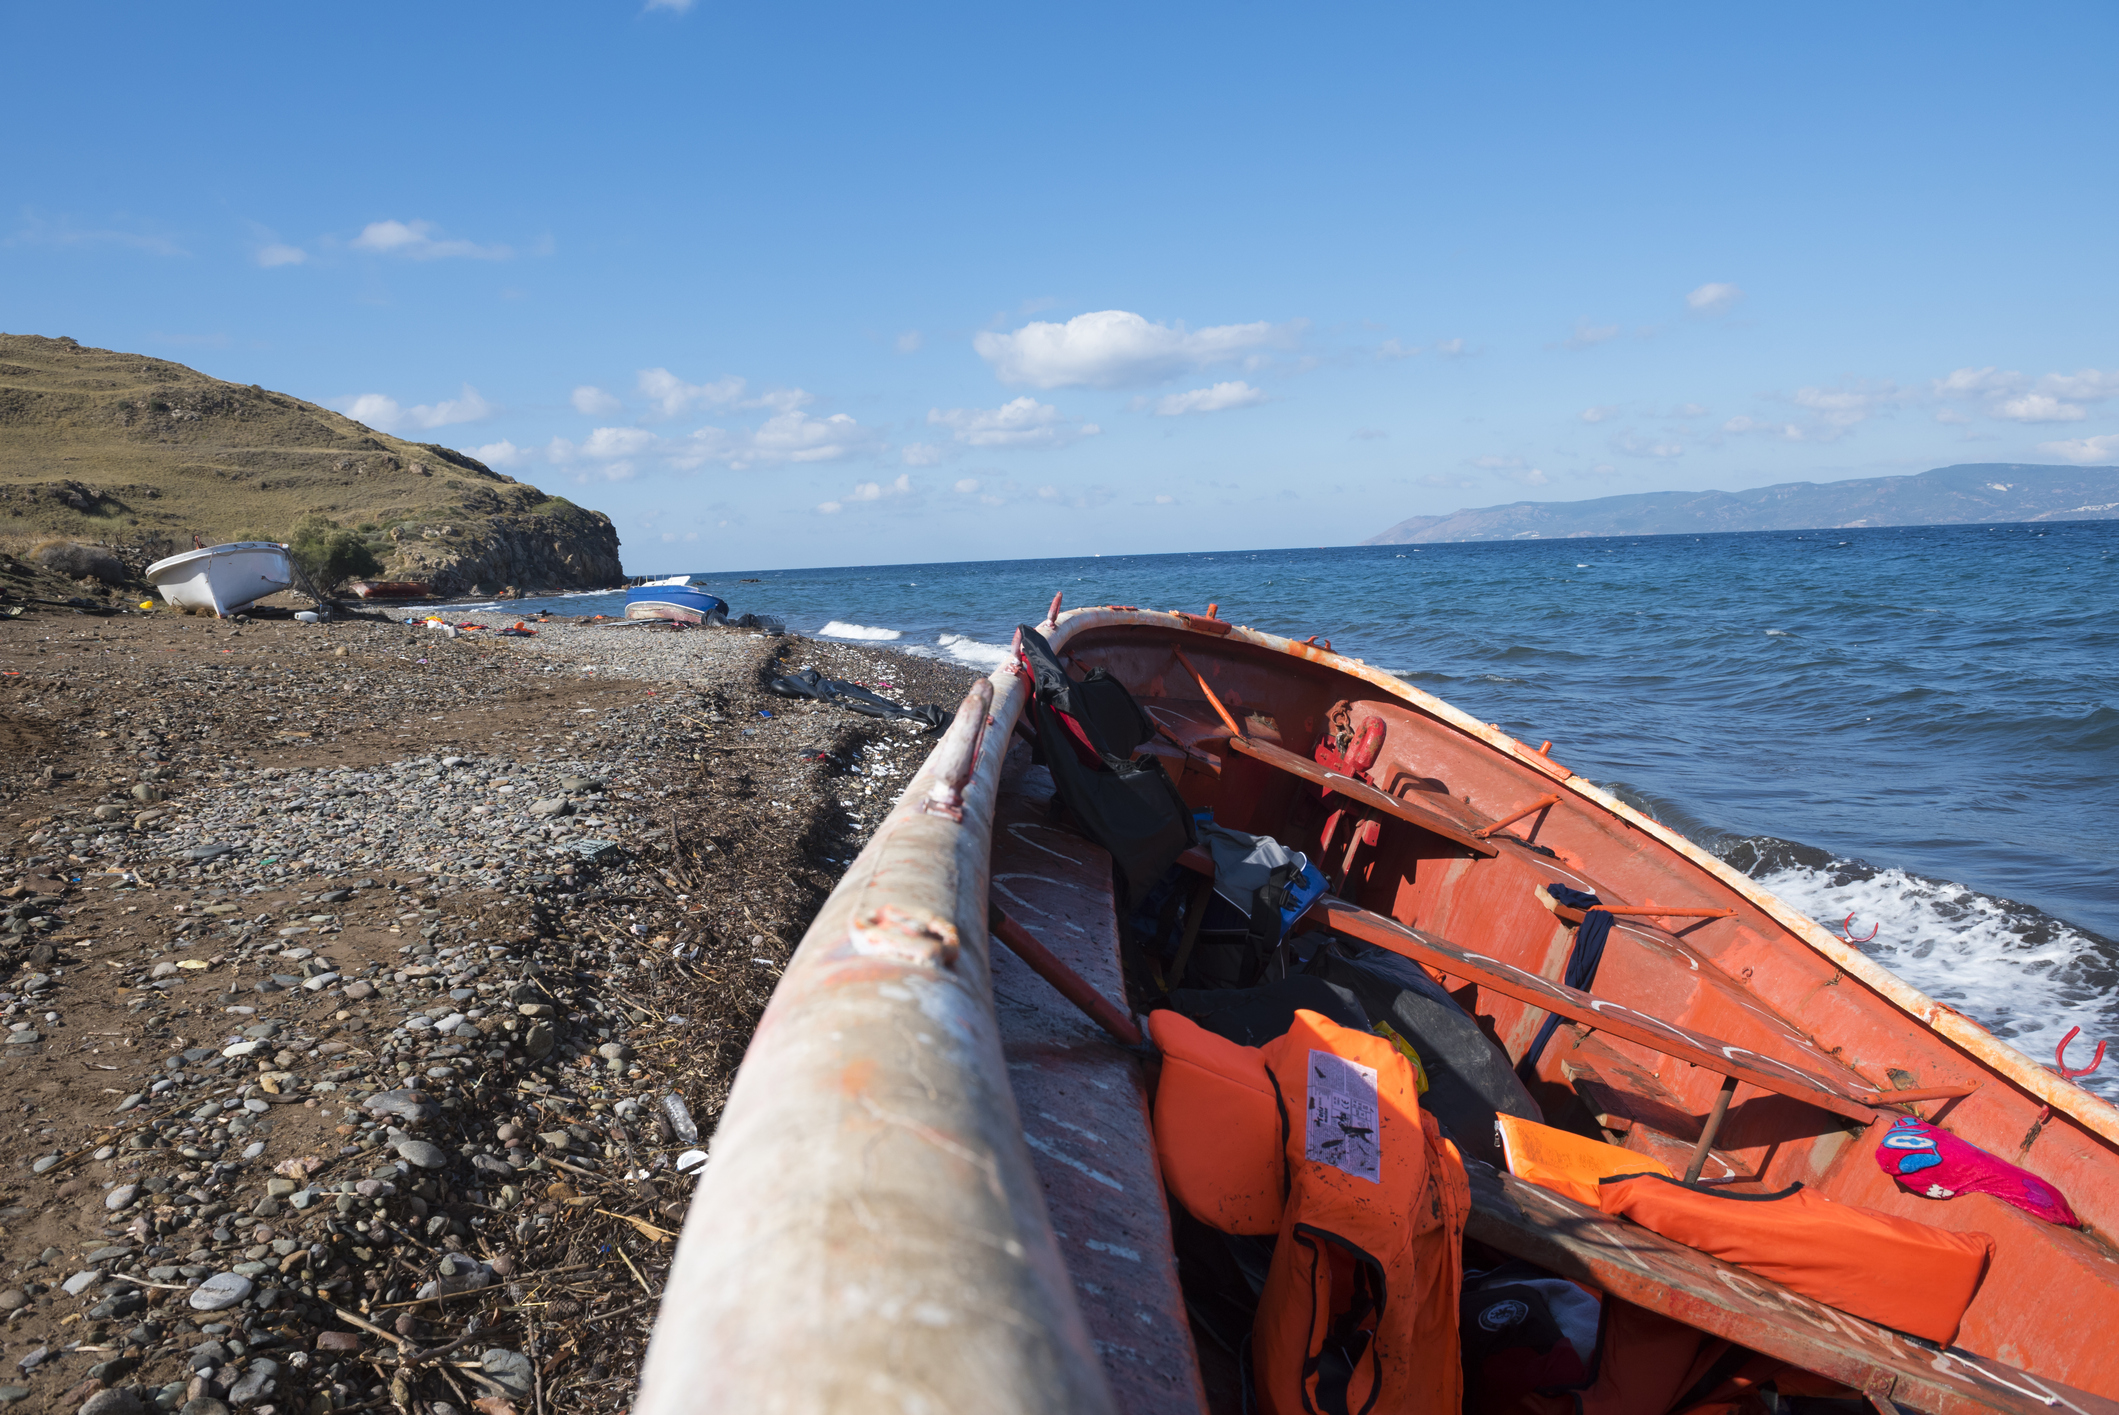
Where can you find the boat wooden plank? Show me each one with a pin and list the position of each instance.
(1084, 1105)
(1651, 1271)
(1766, 1072)
(1361, 792)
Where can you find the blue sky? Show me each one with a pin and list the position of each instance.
(794, 285)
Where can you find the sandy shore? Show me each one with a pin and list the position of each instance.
(349, 965)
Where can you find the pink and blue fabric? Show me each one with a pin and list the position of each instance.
(1935, 1164)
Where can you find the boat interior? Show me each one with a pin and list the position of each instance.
(1714, 1036)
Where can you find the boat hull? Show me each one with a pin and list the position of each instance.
(222, 579)
(881, 1043)
(678, 603)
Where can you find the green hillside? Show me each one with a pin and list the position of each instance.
(143, 454)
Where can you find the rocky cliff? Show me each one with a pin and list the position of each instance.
(143, 454)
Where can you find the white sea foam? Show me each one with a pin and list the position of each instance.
(972, 652)
(2024, 975)
(840, 629)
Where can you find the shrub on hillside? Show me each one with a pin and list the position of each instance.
(79, 562)
(329, 554)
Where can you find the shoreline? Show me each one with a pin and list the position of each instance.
(382, 998)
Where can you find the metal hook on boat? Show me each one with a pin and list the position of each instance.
(1846, 929)
(2067, 1072)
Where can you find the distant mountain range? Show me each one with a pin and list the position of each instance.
(1976, 493)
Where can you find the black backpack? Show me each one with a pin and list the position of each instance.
(1086, 731)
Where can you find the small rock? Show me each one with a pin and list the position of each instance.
(257, 1384)
(338, 1341)
(510, 1369)
(405, 1104)
(206, 1404)
(360, 991)
(14, 1299)
(421, 1153)
(43, 1162)
(112, 1402)
(555, 806)
(119, 1197)
(220, 1291)
(80, 1282)
(10, 1394)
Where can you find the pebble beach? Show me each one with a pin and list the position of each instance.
(370, 989)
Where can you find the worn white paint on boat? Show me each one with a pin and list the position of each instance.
(223, 578)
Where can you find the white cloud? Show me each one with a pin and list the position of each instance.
(910, 341)
(672, 395)
(1452, 348)
(1967, 382)
(502, 454)
(612, 451)
(591, 401)
(40, 230)
(1634, 445)
(1497, 464)
(1533, 477)
(1164, 499)
(1021, 422)
(967, 485)
(1119, 349)
(384, 414)
(1688, 410)
(2091, 385)
(2085, 450)
(2009, 395)
(869, 491)
(1394, 349)
(1588, 336)
(1219, 398)
(277, 254)
(1951, 416)
(790, 437)
(2039, 408)
(1842, 408)
(415, 240)
(1788, 432)
(1457, 483)
(920, 454)
(1713, 298)
(1600, 414)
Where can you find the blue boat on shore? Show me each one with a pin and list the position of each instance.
(676, 598)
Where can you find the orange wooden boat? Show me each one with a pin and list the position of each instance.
(934, 1176)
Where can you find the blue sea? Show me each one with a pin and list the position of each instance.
(1917, 726)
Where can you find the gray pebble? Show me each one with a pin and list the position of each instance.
(511, 1369)
(119, 1197)
(220, 1291)
(421, 1153)
(120, 1401)
(80, 1282)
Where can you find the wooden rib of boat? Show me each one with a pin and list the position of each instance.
(933, 1185)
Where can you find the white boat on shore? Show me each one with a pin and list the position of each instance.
(222, 579)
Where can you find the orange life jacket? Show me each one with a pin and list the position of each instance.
(1893, 1271)
(1322, 1130)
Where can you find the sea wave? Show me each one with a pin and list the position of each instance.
(2023, 974)
(972, 652)
(840, 629)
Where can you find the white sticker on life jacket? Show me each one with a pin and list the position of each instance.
(1340, 1128)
